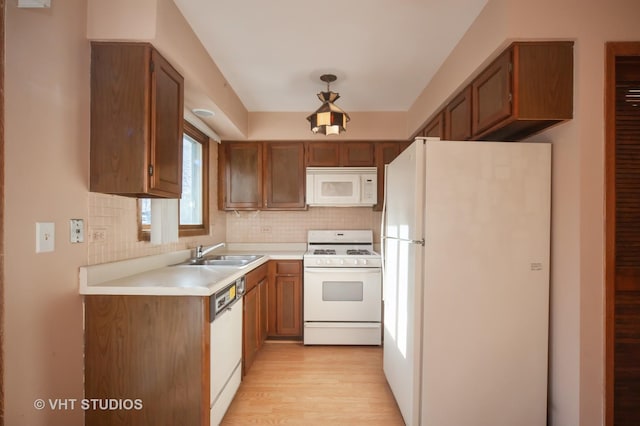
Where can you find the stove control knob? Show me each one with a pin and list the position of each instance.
(342, 261)
(364, 261)
(318, 262)
(355, 262)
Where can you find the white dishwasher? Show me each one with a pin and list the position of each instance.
(225, 316)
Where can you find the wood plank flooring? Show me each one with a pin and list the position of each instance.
(293, 384)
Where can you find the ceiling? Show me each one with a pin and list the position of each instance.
(384, 52)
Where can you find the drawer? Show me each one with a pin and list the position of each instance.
(288, 267)
(254, 277)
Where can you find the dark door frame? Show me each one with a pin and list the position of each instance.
(2, 6)
(613, 51)
(2, 39)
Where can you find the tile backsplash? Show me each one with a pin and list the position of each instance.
(292, 226)
(113, 231)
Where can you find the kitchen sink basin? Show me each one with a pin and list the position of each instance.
(225, 260)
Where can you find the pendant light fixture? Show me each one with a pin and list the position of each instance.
(328, 119)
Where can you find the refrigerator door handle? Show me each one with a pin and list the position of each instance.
(406, 240)
(383, 222)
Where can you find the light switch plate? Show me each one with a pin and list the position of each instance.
(76, 230)
(45, 237)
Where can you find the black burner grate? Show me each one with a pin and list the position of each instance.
(324, 251)
(358, 252)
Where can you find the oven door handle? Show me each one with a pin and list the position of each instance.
(350, 270)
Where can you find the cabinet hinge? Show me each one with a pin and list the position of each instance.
(510, 97)
(150, 170)
(152, 66)
(510, 67)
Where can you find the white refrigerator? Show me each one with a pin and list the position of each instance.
(465, 242)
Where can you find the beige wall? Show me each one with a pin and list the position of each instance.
(161, 23)
(577, 276)
(46, 175)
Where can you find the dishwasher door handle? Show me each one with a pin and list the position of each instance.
(226, 309)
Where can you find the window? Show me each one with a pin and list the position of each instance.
(194, 204)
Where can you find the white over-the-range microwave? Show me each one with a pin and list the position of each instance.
(342, 186)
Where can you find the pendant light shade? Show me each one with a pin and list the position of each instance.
(328, 119)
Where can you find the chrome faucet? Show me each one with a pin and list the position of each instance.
(202, 251)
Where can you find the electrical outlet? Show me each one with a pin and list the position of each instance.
(265, 229)
(98, 235)
(76, 230)
(45, 237)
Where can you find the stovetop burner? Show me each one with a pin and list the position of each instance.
(359, 252)
(324, 251)
(341, 249)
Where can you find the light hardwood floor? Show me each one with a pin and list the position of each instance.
(293, 384)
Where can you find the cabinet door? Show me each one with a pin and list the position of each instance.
(263, 312)
(288, 301)
(241, 176)
(165, 164)
(159, 344)
(357, 154)
(284, 182)
(458, 117)
(136, 122)
(249, 329)
(491, 94)
(385, 153)
(323, 154)
(435, 128)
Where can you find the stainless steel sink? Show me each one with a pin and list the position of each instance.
(240, 260)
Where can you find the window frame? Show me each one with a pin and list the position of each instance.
(144, 231)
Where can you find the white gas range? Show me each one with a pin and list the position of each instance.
(342, 288)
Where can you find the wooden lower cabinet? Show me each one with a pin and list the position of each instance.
(249, 329)
(151, 350)
(285, 299)
(254, 320)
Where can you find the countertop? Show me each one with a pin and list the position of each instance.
(162, 275)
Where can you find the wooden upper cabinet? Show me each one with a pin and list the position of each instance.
(492, 94)
(385, 153)
(525, 90)
(357, 154)
(261, 176)
(435, 128)
(340, 154)
(240, 176)
(323, 154)
(284, 182)
(136, 121)
(457, 117)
